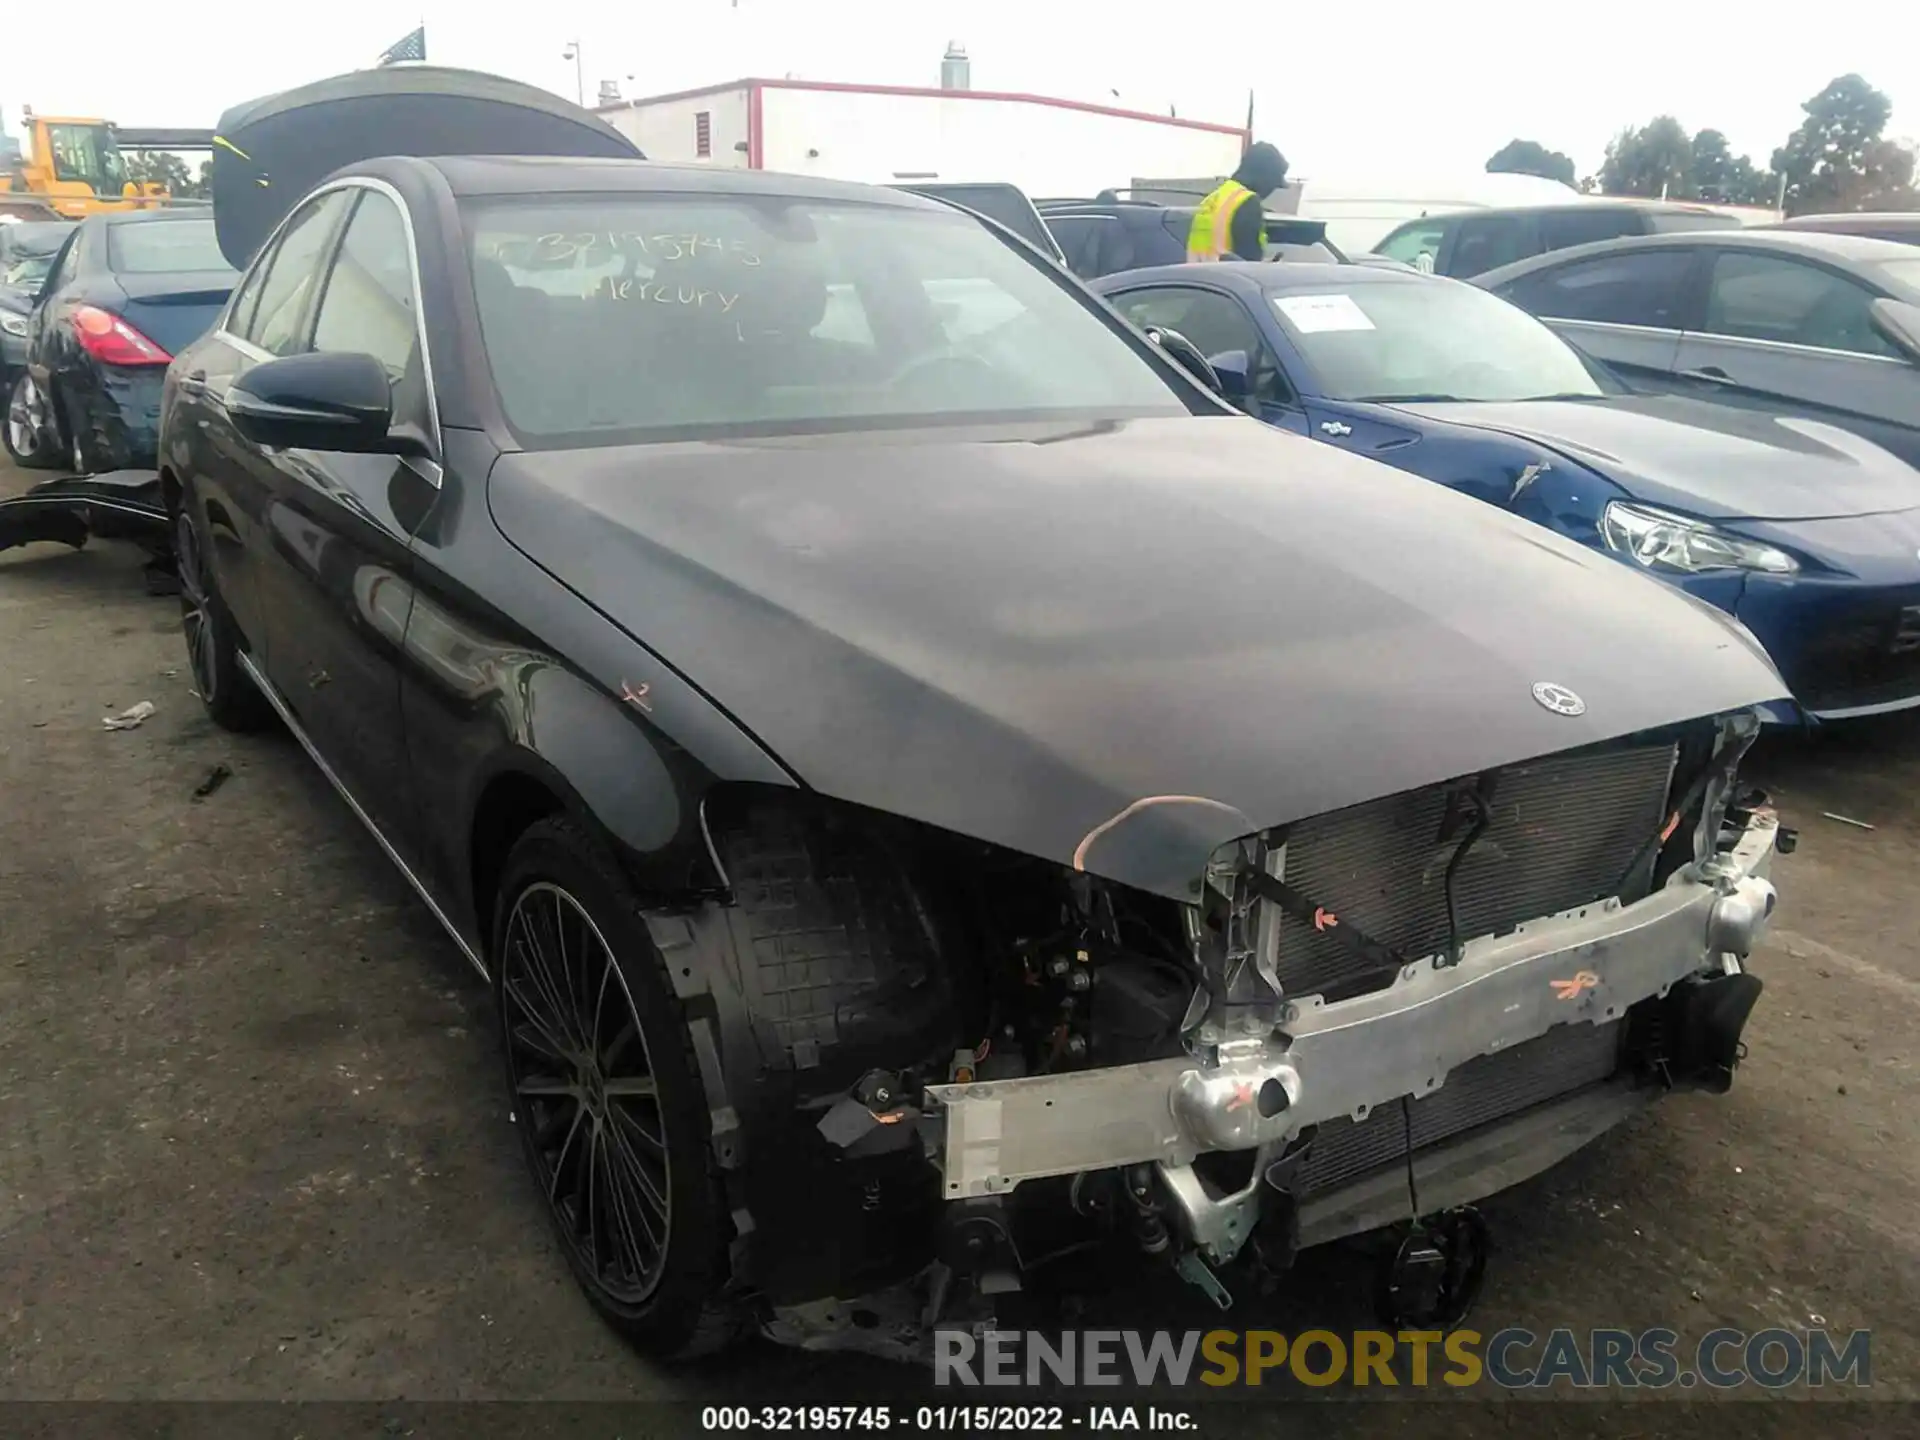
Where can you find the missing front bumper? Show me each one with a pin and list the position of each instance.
(1588, 966)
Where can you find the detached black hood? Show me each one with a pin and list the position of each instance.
(269, 152)
(1719, 462)
(1200, 624)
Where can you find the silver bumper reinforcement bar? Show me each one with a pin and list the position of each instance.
(1586, 966)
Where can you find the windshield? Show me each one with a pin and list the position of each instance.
(89, 155)
(164, 247)
(663, 313)
(28, 271)
(1902, 275)
(1430, 340)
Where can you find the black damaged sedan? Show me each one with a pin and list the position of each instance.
(929, 783)
(126, 291)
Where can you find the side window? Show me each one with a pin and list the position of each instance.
(1212, 321)
(240, 312)
(1763, 297)
(1078, 239)
(1646, 288)
(1416, 244)
(291, 275)
(1563, 229)
(368, 304)
(1490, 241)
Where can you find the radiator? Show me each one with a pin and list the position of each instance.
(1561, 833)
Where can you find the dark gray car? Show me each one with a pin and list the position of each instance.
(1826, 326)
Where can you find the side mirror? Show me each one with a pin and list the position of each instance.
(1235, 370)
(1183, 350)
(1900, 323)
(340, 402)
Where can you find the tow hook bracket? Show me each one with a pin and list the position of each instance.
(1197, 1273)
(1434, 1278)
(871, 1119)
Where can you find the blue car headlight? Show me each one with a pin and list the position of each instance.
(1660, 541)
(14, 325)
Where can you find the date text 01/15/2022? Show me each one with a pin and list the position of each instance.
(938, 1419)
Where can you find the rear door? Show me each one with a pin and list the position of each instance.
(1419, 242)
(1779, 331)
(1626, 307)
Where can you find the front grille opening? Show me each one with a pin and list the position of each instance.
(1563, 831)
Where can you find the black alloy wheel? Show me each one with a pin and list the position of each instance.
(614, 1117)
(581, 1071)
(231, 700)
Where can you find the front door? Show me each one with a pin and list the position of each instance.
(1784, 334)
(336, 587)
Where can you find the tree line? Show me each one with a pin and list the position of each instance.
(1839, 159)
(148, 166)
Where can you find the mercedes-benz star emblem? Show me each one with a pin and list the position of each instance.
(1559, 699)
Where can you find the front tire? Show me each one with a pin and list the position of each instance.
(213, 647)
(29, 432)
(607, 1096)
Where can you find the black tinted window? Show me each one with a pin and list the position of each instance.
(1563, 229)
(1644, 288)
(1764, 297)
(1214, 322)
(291, 273)
(1490, 241)
(368, 306)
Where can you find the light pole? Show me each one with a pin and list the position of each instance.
(572, 53)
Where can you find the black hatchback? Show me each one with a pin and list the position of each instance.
(127, 292)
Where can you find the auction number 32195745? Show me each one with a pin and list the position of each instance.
(936, 1419)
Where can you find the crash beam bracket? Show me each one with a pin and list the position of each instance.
(1586, 965)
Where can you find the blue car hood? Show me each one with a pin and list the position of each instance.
(1717, 462)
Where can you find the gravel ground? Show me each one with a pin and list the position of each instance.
(254, 1145)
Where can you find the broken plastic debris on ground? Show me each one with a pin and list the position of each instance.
(128, 718)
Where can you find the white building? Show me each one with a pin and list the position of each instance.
(883, 134)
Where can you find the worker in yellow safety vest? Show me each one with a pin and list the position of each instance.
(1231, 222)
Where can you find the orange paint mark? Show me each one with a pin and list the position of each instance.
(1572, 988)
(1672, 825)
(1323, 919)
(636, 695)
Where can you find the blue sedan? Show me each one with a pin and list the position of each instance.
(1805, 532)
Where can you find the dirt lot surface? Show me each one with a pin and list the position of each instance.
(253, 1143)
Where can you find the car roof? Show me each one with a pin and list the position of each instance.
(1877, 219)
(1814, 244)
(1575, 206)
(503, 175)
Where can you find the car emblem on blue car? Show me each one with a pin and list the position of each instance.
(1559, 699)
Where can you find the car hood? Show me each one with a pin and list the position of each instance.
(13, 298)
(1712, 461)
(1118, 645)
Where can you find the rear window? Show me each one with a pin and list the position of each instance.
(164, 247)
(1669, 222)
(663, 314)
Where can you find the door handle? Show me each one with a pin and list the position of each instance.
(1712, 374)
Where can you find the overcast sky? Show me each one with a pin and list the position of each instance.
(1425, 88)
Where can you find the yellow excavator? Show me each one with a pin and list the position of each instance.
(74, 167)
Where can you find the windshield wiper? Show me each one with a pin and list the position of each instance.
(1572, 395)
(1412, 398)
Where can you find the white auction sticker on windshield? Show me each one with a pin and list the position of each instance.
(1310, 314)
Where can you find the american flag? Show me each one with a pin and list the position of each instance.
(413, 47)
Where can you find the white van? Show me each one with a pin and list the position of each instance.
(1359, 215)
